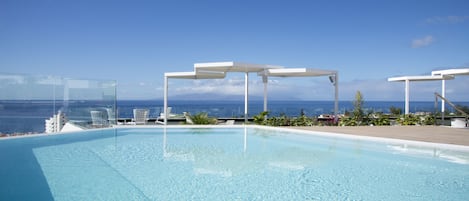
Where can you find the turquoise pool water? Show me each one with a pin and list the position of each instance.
(240, 163)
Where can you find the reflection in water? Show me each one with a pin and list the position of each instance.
(447, 155)
(209, 158)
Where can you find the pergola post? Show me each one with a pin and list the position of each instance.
(246, 92)
(407, 96)
(165, 104)
(336, 95)
(265, 79)
(443, 91)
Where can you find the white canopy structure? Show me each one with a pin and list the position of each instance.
(185, 75)
(407, 79)
(442, 75)
(448, 72)
(245, 68)
(217, 70)
(301, 72)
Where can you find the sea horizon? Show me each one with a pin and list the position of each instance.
(15, 113)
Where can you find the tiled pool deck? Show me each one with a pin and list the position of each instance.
(434, 134)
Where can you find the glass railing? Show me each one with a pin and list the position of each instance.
(45, 104)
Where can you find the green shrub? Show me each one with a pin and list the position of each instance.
(358, 113)
(260, 118)
(203, 119)
(409, 119)
(283, 120)
(302, 120)
(348, 121)
(356, 117)
(395, 110)
(379, 119)
(428, 120)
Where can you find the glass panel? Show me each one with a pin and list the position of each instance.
(38, 104)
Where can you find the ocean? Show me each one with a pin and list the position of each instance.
(29, 116)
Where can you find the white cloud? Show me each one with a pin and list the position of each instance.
(11, 79)
(447, 19)
(298, 89)
(294, 89)
(216, 86)
(422, 42)
(49, 80)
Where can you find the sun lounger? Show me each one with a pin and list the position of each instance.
(98, 119)
(140, 116)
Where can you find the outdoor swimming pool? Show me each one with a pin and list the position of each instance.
(235, 163)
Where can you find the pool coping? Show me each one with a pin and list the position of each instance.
(287, 129)
(379, 139)
(320, 133)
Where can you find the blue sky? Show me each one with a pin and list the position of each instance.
(135, 42)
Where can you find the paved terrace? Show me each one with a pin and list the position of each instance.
(435, 134)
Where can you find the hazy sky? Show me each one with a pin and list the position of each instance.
(135, 42)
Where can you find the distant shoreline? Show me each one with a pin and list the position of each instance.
(14, 113)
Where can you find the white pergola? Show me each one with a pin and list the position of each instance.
(408, 79)
(442, 75)
(185, 75)
(218, 70)
(302, 72)
(245, 68)
(448, 72)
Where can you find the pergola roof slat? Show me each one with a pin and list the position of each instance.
(297, 72)
(454, 71)
(420, 78)
(195, 75)
(232, 67)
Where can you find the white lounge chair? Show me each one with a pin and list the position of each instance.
(111, 116)
(160, 119)
(98, 118)
(227, 122)
(141, 116)
(188, 118)
(162, 116)
(230, 122)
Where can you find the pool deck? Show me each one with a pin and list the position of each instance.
(434, 134)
